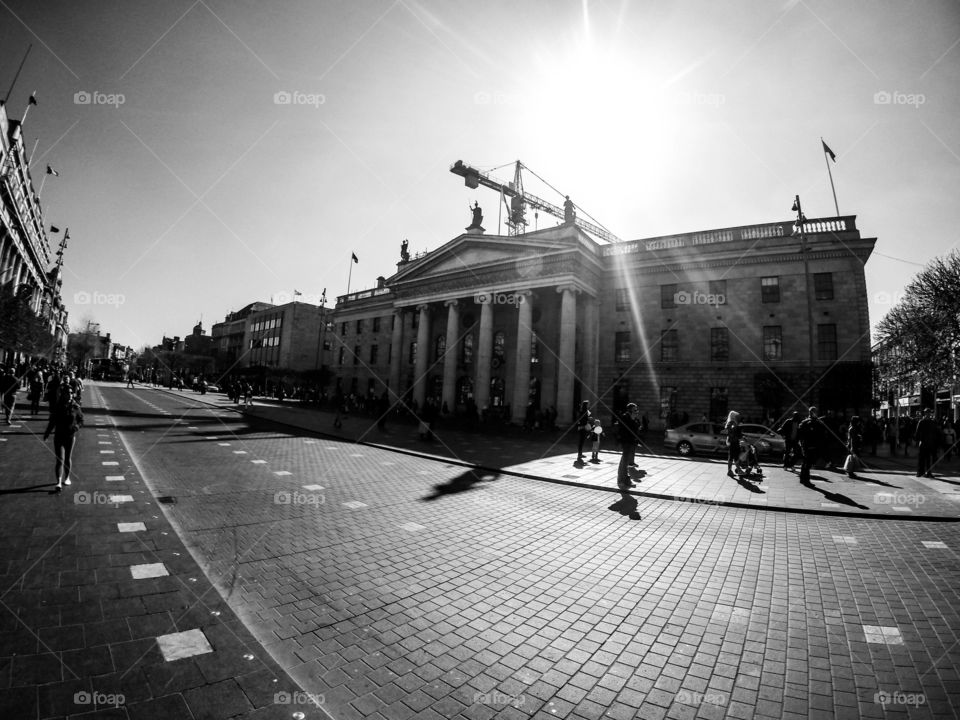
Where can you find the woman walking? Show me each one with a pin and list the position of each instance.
(854, 446)
(65, 422)
(734, 436)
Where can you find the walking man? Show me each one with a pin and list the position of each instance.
(813, 435)
(8, 392)
(629, 437)
(791, 432)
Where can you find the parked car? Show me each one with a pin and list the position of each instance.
(766, 441)
(696, 438)
(705, 438)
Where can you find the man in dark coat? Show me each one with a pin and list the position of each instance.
(813, 436)
(629, 437)
(8, 392)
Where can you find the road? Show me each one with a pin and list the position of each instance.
(398, 586)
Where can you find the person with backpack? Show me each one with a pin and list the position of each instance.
(65, 422)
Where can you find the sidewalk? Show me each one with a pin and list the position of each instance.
(888, 490)
(103, 611)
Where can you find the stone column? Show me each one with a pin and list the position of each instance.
(484, 357)
(396, 354)
(591, 350)
(423, 356)
(521, 372)
(567, 359)
(450, 356)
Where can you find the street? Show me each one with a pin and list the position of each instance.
(392, 585)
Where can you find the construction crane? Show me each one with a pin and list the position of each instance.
(519, 200)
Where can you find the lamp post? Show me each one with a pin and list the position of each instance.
(801, 219)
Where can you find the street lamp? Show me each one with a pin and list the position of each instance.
(801, 220)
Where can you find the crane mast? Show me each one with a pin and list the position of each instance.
(519, 200)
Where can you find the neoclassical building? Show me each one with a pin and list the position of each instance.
(756, 318)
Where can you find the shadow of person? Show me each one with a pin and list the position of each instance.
(748, 482)
(463, 482)
(874, 481)
(626, 506)
(833, 497)
(44, 487)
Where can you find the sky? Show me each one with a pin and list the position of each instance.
(212, 153)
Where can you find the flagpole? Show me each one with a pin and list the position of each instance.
(350, 275)
(830, 173)
(17, 75)
(42, 182)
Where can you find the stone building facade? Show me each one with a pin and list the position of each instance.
(754, 318)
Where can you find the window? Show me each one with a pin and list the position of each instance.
(440, 346)
(389, 353)
(359, 326)
(719, 344)
(415, 319)
(467, 350)
(497, 391)
(342, 351)
(827, 342)
(374, 350)
(534, 348)
(371, 387)
(464, 390)
(669, 345)
(376, 324)
(770, 289)
(393, 322)
(823, 286)
(772, 343)
(343, 328)
(718, 289)
(622, 298)
(413, 353)
(668, 295)
(621, 351)
(356, 354)
(327, 345)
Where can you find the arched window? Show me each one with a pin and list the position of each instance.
(534, 348)
(496, 392)
(467, 351)
(440, 346)
(464, 390)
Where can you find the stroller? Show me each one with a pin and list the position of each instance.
(749, 461)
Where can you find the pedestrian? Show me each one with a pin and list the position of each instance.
(584, 426)
(813, 436)
(130, 379)
(629, 437)
(892, 435)
(854, 446)
(791, 431)
(927, 436)
(597, 434)
(734, 436)
(36, 390)
(65, 422)
(8, 392)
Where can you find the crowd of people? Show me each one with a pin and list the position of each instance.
(61, 389)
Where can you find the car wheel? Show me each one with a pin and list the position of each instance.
(685, 448)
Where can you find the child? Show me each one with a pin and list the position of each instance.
(597, 435)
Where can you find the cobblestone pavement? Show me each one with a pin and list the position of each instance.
(391, 585)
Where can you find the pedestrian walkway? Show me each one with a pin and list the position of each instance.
(887, 489)
(103, 611)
